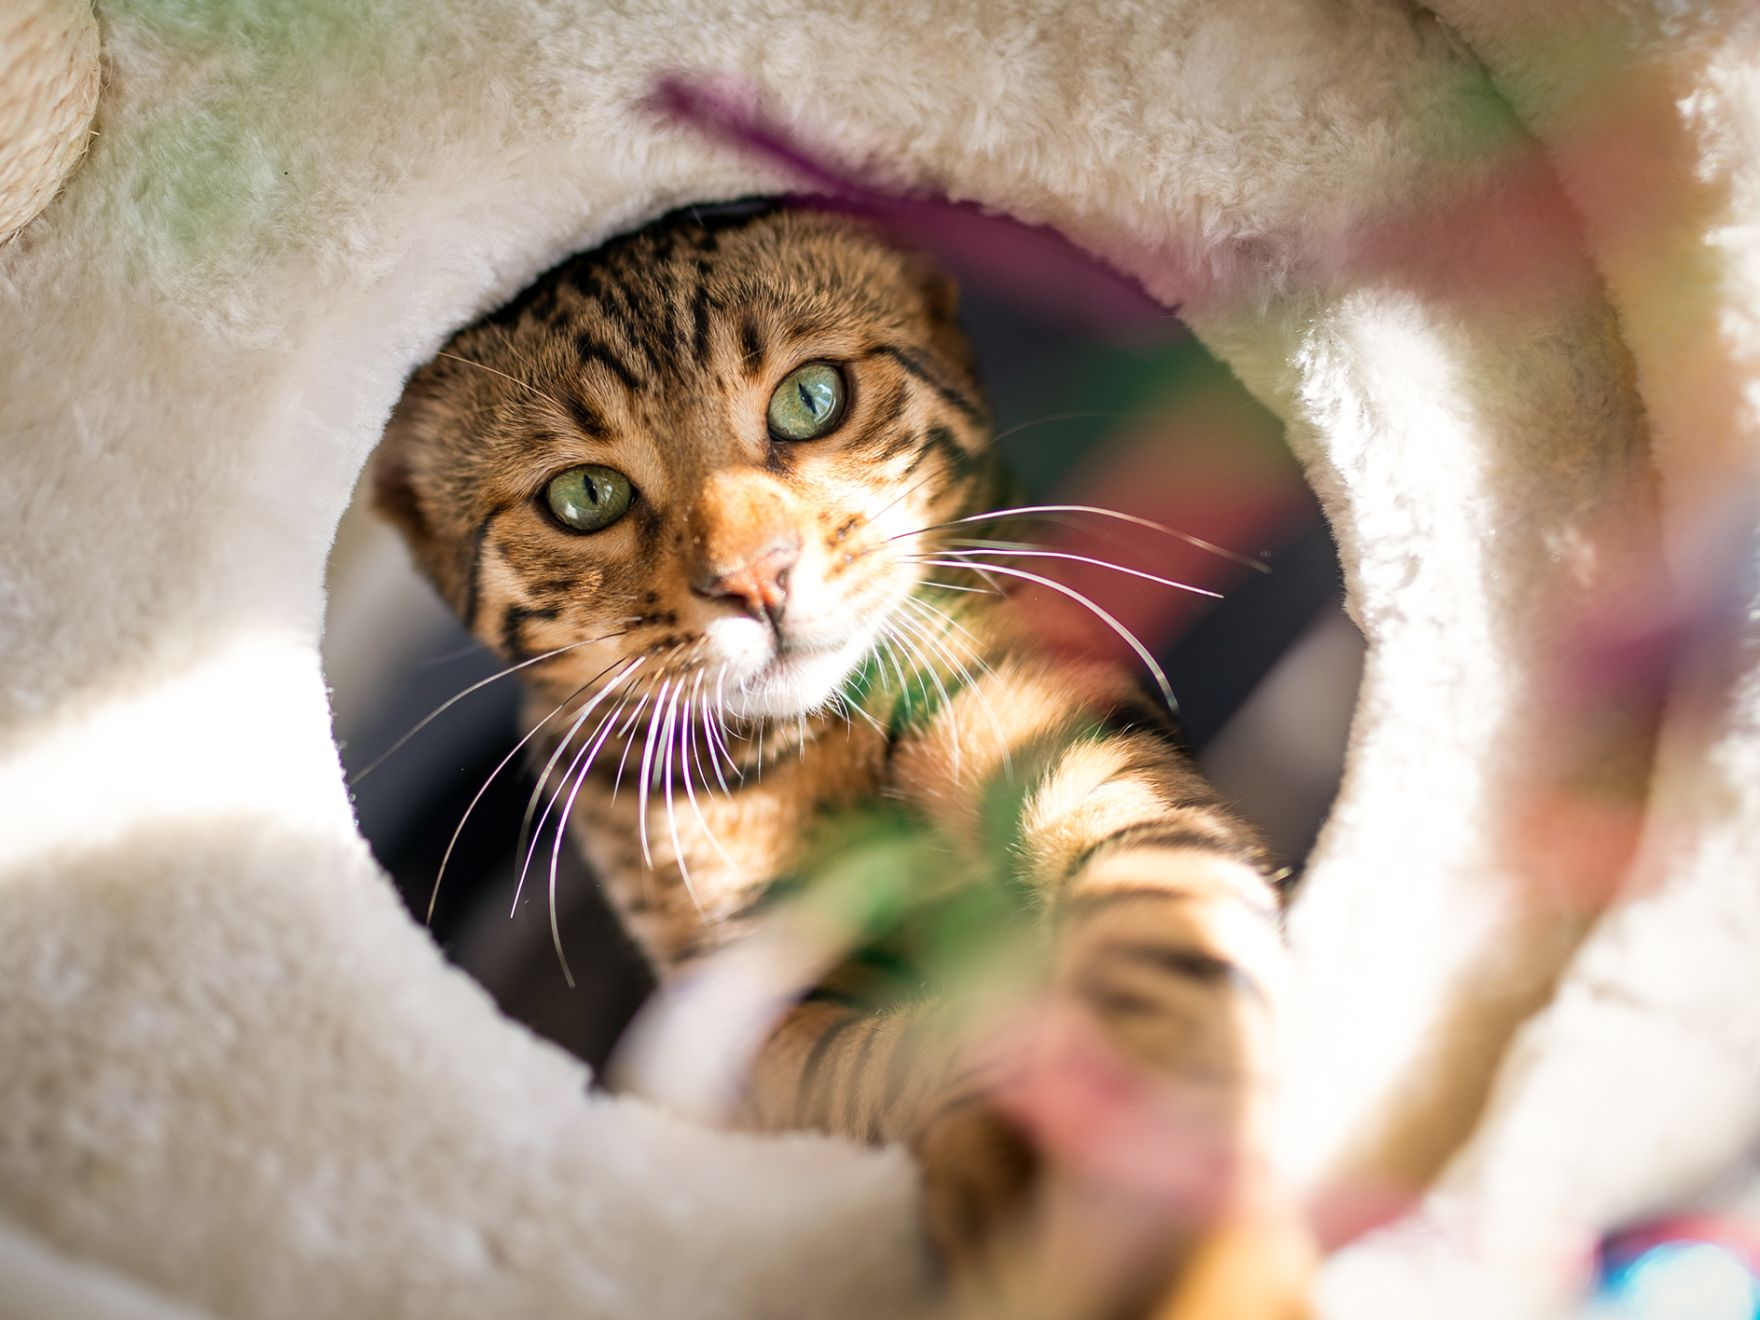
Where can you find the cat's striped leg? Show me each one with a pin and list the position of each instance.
(875, 1074)
(906, 1074)
(1165, 934)
(1158, 920)
(1172, 943)
(1159, 913)
(1170, 946)
(1173, 950)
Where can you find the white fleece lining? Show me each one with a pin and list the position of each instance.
(230, 1066)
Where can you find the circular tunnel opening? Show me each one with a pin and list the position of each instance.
(1264, 664)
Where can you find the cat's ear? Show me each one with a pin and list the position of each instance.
(938, 289)
(939, 293)
(398, 475)
(393, 485)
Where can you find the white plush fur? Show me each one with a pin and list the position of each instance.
(1637, 1087)
(232, 1069)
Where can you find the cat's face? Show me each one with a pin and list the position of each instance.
(705, 447)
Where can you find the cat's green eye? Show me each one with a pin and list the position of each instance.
(808, 403)
(589, 498)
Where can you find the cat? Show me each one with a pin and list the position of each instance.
(715, 487)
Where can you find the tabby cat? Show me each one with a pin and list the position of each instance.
(722, 488)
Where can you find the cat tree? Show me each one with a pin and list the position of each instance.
(1494, 265)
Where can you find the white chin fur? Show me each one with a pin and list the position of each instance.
(762, 684)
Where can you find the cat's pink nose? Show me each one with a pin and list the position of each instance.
(760, 583)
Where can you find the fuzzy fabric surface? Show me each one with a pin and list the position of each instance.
(1496, 271)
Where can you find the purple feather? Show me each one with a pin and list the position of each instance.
(1030, 263)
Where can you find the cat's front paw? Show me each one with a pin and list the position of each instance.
(1081, 1185)
(1259, 1268)
(978, 1174)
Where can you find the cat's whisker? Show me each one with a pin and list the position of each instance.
(868, 520)
(710, 716)
(718, 747)
(955, 625)
(668, 778)
(834, 705)
(931, 649)
(910, 658)
(719, 751)
(890, 655)
(1086, 415)
(646, 779)
(1125, 633)
(691, 793)
(628, 742)
(597, 741)
(528, 837)
(981, 553)
(1105, 531)
(932, 644)
(495, 407)
(457, 653)
(562, 828)
(523, 384)
(527, 850)
(958, 541)
(904, 657)
(856, 708)
(525, 843)
(555, 924)
(971, 681)
(525, 825)
(478, 686)
(950, 586)
(695, 710)
(720, 731)
(636, 715)
(976, 648)
(458, 830)
(923, 668)
(989, 581)
(1026, 510)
